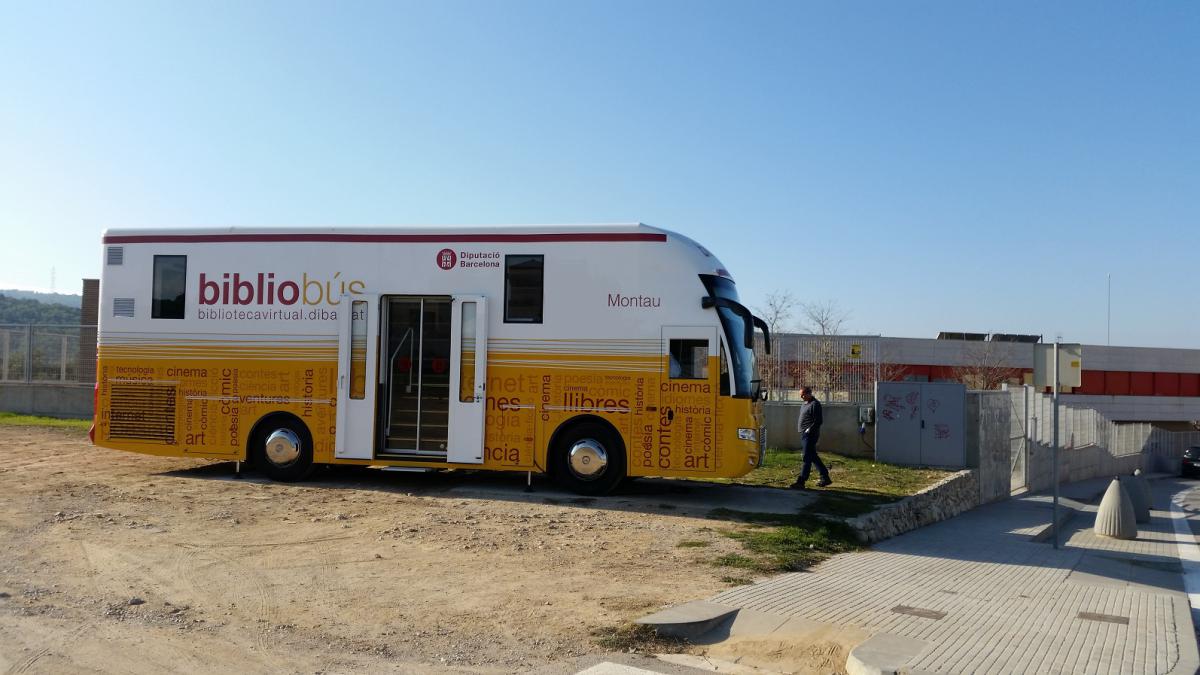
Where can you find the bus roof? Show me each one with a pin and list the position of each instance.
(582, 232)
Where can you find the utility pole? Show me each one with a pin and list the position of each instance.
(1054, 443)
(1108, 322)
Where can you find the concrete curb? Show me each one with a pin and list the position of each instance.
(1189, 651)
(690, 620)
(884, 654)
(1068, 509)
(1189, 656)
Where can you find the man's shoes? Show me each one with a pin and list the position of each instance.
(798, 485)
(824, 482)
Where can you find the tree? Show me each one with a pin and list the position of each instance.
(776, 312)
(984, 367)
(823, 318)
(17, 310)
(825, 362)
(888, 370)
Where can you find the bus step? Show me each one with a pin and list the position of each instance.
(408, 440)
(412, 414)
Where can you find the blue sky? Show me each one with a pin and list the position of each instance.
(926, 165)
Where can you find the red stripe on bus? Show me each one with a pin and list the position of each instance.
(383, 238)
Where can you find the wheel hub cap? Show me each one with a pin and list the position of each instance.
(587, 459)
(283, 447)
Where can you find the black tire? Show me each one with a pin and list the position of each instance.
(280, 466)
(599, 435)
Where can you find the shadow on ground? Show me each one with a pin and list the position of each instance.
(662, 496)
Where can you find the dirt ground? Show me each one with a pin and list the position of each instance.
(116, 562)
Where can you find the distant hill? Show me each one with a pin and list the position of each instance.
(20, 310)
(49, 298)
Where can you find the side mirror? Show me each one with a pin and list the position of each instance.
(762, 394)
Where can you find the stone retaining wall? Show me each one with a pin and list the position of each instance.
(945, 499)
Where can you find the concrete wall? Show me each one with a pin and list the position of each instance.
(839, 433)
(988, 430)
(926, 351)
(1078, 464)
(1136, 408)
(47, 399)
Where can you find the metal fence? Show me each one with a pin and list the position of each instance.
(47, 353)
(1083, 427)
(1092, 444)
(839, 368)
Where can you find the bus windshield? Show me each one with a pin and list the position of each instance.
(734, 324)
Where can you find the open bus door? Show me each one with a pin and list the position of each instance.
(358, 326)
(468, 378)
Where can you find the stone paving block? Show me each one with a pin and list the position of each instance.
(987, 600)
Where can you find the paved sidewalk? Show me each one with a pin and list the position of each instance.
(976, 594)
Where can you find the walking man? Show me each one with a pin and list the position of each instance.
(809, 426)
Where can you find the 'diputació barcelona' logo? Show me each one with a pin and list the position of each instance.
(446, 259)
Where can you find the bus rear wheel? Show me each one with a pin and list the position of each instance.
(589, 459)
(282, 449)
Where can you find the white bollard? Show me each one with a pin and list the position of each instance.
(1115, 517)
(1144, 484)
(1137, 497)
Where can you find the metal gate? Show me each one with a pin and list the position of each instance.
(1020, 425)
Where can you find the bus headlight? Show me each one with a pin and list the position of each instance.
(748, 434)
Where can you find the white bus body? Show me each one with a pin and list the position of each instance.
(593, 353)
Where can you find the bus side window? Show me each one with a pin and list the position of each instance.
(358, 349)
(689, 359)
(169, 286)
(524, 277)
(466, 355)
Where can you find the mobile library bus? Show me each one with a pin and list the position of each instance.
(590, 353)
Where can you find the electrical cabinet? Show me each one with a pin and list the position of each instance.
(920, 423)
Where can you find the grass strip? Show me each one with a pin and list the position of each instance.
(14, 419)
(851, 475)
(784, 542)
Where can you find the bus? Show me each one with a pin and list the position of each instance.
(592, 354)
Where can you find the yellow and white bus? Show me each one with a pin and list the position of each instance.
(589, 353)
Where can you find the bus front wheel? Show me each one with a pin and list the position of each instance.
(282, 449)
(589, 459)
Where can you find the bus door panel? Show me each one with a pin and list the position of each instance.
(689, 382)
(358, 326)
(468, 377)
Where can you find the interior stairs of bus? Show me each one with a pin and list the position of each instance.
(431, 391)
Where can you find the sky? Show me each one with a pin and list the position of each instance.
(926, 166)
